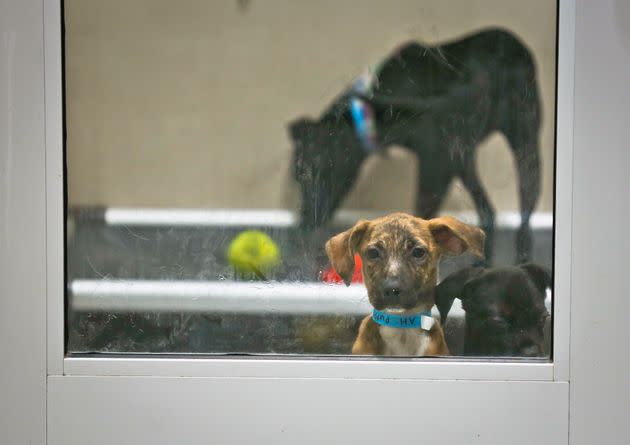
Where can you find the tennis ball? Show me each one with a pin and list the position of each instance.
(253, 252)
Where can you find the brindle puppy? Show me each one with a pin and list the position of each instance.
(400, 255)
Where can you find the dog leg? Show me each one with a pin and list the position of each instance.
(438, 346)
(483, 206)
(368, 341)
(528, 166)
(432, 187)
(520, 125)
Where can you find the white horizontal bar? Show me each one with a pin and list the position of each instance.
(277, 217)
(282, 367)
(227, 297)
(198, 217)
(218, 297)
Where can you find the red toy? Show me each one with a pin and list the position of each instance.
(330, 276)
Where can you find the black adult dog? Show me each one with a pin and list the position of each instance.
(505, 308)
(439, 102)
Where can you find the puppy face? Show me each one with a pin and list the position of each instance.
(505, 310)
(326, 161)
(400, 255)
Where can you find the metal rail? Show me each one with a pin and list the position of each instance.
(285, 298)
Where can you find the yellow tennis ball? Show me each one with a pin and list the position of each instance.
(253, 251)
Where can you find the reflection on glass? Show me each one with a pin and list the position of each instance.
(232, 190)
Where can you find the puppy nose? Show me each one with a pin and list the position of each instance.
(391, 289)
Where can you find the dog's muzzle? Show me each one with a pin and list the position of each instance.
(394, 295)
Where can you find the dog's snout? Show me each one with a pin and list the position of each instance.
(391, 289)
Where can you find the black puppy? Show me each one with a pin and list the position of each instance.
(439, 102)
(505, 308)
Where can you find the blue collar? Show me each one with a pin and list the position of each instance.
(361, 110)
(419, 320)
(364, 123)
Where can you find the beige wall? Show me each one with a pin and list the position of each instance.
(185, 104)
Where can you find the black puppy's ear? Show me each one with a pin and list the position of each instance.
(452, 287)
(299, 128)
(541, 276)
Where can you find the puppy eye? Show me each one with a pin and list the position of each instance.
(418, 252)
(372, 253)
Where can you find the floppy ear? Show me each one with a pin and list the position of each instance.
(340, 250)
(455, 237)
(299, 128)
(541, 276)
(452, 287)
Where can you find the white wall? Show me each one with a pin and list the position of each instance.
(185, 104)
